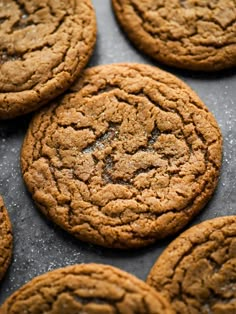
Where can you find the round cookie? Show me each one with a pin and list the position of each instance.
(6, 239)
(189, 34)
(197, 271)
(44, 45)
(86, 288)
(128, 156)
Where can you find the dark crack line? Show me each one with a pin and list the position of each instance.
(157, 33)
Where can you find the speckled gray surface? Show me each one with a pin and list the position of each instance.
(39, 246)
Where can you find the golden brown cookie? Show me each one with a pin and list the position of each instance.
(128, 156)
(44, 45)
(5, 239)
(189, 34)
(197, 271)
(86, 288)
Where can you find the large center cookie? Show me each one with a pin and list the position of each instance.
(90, 289)
(127, 157)
(191, 34)
(43, 47)
(197, 272)
(5, 239)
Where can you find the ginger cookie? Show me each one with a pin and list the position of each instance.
(197, 271)
(189, 34)
(86, 288)
(6, 239)
(128, 156)
(44, 45)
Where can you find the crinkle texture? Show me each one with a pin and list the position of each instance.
(128, 156)
(6, 239)
(190, 34)
(197, 271)
(86, 288)
(44, 45)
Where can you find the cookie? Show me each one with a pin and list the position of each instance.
(128, 156)
(44, 45)
(189, 34)
(86, 288)
(197, 271)
(5, 239)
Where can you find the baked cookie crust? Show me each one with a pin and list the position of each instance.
(6, 239)
(86, 288)
(44, 45)
(189, 34)
(196, 272)
(128, 156)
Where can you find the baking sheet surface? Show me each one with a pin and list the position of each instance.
(40, 246)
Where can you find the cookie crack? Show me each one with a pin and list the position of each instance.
(190, 251)
(157, 34)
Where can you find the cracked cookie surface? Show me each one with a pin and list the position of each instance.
(197, 272)
(6, 239)
(128, 156)
(44, 45)
(86, 288)
(191, 34)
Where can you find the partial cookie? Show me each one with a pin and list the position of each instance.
(197, 271)
(44, 45)
(189, 34)
(5, 239)
(128, 156)
(89, 289)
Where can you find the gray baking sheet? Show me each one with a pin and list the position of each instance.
(39, 245)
